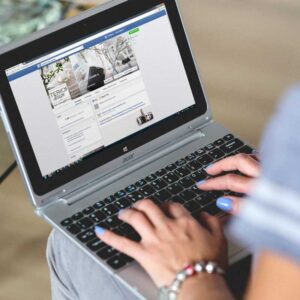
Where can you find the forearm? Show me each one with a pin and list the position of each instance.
(275, 277)
(205, 286)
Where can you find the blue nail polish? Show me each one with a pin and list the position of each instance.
(200, 182)
(208, 167)
(120, 212)
(99, 230)
(225, 204)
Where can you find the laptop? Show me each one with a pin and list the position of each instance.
(104, 110)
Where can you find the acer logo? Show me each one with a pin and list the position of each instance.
(128, 158)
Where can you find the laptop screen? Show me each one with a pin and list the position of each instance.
(87, 96)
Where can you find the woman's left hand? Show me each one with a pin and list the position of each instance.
(170, 240)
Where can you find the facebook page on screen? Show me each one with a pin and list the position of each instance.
(87, 96)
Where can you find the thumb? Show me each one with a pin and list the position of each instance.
(229, 204)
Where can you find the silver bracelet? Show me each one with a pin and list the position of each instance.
(171, 292)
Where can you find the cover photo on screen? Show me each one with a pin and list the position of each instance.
(88, 70)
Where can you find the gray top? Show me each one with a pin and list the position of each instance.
(270, 217)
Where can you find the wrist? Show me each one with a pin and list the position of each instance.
(190, 271)
(202, 283)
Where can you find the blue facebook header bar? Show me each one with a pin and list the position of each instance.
(89, 44)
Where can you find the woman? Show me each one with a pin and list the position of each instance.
(172, 239)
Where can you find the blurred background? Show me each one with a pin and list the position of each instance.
(248, 54)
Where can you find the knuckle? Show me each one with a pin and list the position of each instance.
(242, 157)
(146, 204)
(230, 178)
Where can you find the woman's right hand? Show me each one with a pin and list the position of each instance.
(247, 165)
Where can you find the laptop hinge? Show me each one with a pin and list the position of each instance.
(139, 163)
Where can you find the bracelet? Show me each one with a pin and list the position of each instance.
(171, 292)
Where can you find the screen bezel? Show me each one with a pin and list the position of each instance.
(69, 35)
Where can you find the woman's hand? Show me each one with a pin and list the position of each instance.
(247, 165)
(170, 239)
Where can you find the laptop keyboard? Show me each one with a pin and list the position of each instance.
(176, 182)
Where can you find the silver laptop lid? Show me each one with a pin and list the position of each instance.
(93, 96)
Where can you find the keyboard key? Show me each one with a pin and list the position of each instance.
(127, 258)
(198, 176)
(187, 195)
(204, 199)
(228, 137)
(107, 252)
(178, 199)
(180, 162)
(191, 206)
(74, 229)
(66, 222)
(246, 149)
(112, 222)
(219, 142)
(210, 147)
(212, 209)
(171, 167)
(85, 223)
(205, 159)
(117, 262)
(120, 194)
(186, 182)
(122, 203)
(216, 153)
(190, 157)
(159, 184)
(125, 228)
(182, 172)
(155, 200)
(135, 196)
(109, 199)
(99, 205)
(175, 188)
(109, 210)
(77, 216)
(232, 146)
(88, 210)
(196, 190)
(194, 165)
(134, 236)
(163, 195)
(147, 190)
(96, 244)
(170, 178)
(151, 177)
(87, 235)
(130, 188)
(97, 216)
(161, 172)
(141, 183)
(199, 152)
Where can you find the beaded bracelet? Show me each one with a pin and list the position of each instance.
(171, 292)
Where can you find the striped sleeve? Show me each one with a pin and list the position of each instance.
(270, 219)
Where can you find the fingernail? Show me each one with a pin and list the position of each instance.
(255, 152)
(99, 230)
(208, 167)
(200, 182)
(120, 212)
(225, 204)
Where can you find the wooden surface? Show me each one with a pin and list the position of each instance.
(248, 54)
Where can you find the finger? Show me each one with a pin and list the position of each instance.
(138, 221)
(229, 204)
(232, 182)
(175, 210)
(213, 224)
(120, 243)
(152, 211)
(241, 162)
